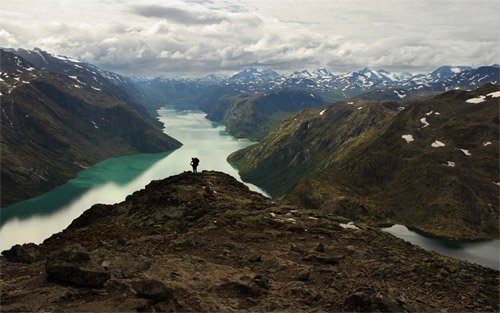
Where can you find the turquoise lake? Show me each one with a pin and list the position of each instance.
(112, 180)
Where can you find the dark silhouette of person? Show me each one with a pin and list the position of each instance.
(194, 163)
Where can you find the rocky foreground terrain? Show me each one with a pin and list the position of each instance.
(204, 242)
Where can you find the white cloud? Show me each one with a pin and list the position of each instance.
(7, 39)
(151, 37)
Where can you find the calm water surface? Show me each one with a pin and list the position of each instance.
(485, 253)
(112, 180)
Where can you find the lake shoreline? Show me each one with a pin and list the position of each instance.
(483, 252)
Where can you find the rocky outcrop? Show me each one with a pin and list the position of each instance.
(76, 274)
(27, 253)
(205, 242)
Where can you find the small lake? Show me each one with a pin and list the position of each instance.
(112, 180)
(485, 253)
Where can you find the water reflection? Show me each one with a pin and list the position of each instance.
(112, 180)
(484, 252)
(119, 171)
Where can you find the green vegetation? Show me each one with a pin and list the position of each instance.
(255, 116)
(353, 160)
(54, 125)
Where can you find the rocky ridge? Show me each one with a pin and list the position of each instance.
(205, 242)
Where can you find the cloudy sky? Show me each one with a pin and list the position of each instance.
(146, 37)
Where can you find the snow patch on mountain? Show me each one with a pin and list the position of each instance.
(423, 120)
(465, 151)
(64, 58)
(495, 94)
(400, 95)
(408, 138)
(478, 99)
(437, 144)
(349, 225)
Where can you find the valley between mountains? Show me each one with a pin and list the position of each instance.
(341, 155)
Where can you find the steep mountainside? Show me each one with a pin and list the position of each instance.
(54, 124)
(433, 166)
(308, 142)
(256, 115)
(118, 86)
(204, 242)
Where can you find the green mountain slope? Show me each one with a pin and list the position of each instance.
(374, 174)
(53, 125)
(308, 142)
(255, 116)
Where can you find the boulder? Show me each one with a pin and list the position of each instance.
(85, 276)
(153, 289)
(369, 300)
(27, 253)
(240, 289)
(74, 253)
(261, 281)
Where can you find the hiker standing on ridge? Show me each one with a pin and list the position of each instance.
(194, 163)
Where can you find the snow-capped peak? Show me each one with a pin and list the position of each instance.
(301, 74)
(254, 73)
(64, 58)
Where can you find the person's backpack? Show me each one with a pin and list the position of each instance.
(196, 161)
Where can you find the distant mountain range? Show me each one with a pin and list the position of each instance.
(219, 96)
(60, 116)
(366, 83)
